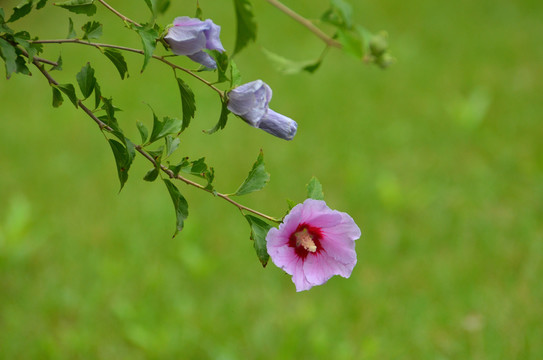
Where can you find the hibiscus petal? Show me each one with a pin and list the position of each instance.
(275, 238)
(188, 21)
(213, 36)
(185, 40)
(250, 101)
(347, 228)
(326, 220)
(320, 268)
(284, 257)
(299, 279)
(342, 251)
(291, 221)
(278, 125)
(203, 58)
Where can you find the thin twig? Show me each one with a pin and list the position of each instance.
(305, 22)
(45, 61)
(100, 123)
(138, 51)
(118, 13)
(44, 72)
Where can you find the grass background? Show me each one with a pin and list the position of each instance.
(438, 159)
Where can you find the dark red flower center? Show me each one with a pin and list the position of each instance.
(306, 239)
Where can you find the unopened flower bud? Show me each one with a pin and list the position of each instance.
(378, 44)
(385, 60)
(250, 102)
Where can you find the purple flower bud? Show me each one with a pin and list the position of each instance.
(250, 102)
(278, 125)
(189, 36)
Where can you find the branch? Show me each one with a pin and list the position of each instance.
(45, 61)
(171, 174)
(118, 13)
(159, 58)
(145, 154)
(308, 24)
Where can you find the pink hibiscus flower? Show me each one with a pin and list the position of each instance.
(313, 244)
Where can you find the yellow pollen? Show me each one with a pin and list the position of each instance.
(305, 239)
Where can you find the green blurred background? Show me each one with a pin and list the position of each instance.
(438, 159)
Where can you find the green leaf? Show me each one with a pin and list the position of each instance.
(171, 144)
(4, 28)
(157, 6)
(221, 58)
(291, 204)
(259, 230)
(235, 75)
(151, 175)
(21, 10)
(187, 101)
(143, 131)
(345, 11)
(199, 13)
(222, 119)
(21, 64)
(130, 149)
(257, 178)
(180, 204)
(71, 31)
(157, 127)
(170, 126)
(86, 80)
(157, 155)
(97, 96)
(177, 168)
(150, 6)
(314, 189)
(41, 4)
(118, 60)
(246, 25)
(33, 50)
(22, 38)
(339, 14)
(79, 6)
(162, 6)
(166, 127)
(68, 90)
(290, 67)
(122, 160)
(351, 42)
(92, 30)
(58, 66)
(148, 39)
(210, 176)
(197, 168)
(110, 114)
(8, 53)
(57, 97)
